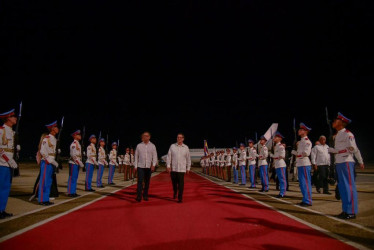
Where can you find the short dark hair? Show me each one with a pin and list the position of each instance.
(180, 134)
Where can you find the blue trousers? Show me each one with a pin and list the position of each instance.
(347, 187)
(111, 173)
(281, 173)
(45, 181)
(99, 178)
(73, 178)
(5, 183)
(242, 174)
(264, 177)
(235, 172)
(305, 183)
(89, 173)
(252, 173)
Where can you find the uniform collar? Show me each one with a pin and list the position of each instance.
(180, 145)
(342, 130)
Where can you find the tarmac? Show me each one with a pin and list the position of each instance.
(359, 231)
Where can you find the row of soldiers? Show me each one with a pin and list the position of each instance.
(257, 155)
(49, 165)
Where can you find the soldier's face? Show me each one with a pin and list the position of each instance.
(102, 144)
(301, 132)
(277, 139)
(12, 120)
(55, 130)
(114, 146)
(322, 140)
(251, 144)
(78, 137)
(262, 141)
(93, 140)
(337, 123)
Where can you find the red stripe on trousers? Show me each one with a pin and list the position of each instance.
(284, 179)
(87, 174)
(350, 187)
(306, 183)
(45, 168)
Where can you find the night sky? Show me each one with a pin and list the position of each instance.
(215, 70)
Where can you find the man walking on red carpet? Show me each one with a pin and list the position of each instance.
(145, 162)
(178, 163)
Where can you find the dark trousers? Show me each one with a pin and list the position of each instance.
(144, 174)
(323, 172)
(178, 183)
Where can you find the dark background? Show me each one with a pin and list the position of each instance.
(215, 70)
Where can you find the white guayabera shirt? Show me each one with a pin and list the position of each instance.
(179, 158)
(145, 155)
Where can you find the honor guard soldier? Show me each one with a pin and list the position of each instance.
(252, 154)
(228, 164)
(222, 165)
(263, 164)
(216, 163)
(7, 163)
(74, 163)
(303, 164)
(344, 150)
(90, 163)
(202, 164)
(211, 164)
(120, 163)
(127, 163)
(235, 164)
(133, 173)
(206, 162)
(102, 163)
(242, 163)
(112, 163)
(279, 163)
(47, 164)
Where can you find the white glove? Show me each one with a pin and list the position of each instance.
(106, 163)
(332, 150)
(294, 152)
(271, 155)
(84, 153)
(81, 164)
(12, 163)
(116, 164)
(95, 162)
(18, 148)
(59, 151)
(54, 163)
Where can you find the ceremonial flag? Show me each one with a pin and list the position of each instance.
(206, 152)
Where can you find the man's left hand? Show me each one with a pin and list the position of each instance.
(188, 172)
(362, 166)
(152, 168)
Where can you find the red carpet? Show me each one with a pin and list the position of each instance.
(211, 217)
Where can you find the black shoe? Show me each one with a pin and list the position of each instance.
(318, 190)
(138, 199)
(252, 187)
(277, 189)
(71, 195)
(279, 196)
(287, 189)
(5, 214)
(179, 201)
(327, 192)
(346, 216)
(303, 204)
(2, 216)
(267, 190)
(261, 190)
(145, 198)
(76, 195)
(92, 190)
(112, 183)
(241, 184)
(47, 203)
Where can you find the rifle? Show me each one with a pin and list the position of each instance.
(16, 172)
(294, 147)
(83, 151)
(106, 147)
(59, 161)
(331, 143)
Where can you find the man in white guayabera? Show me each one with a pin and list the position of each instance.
(178, 163)
(145, 162)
